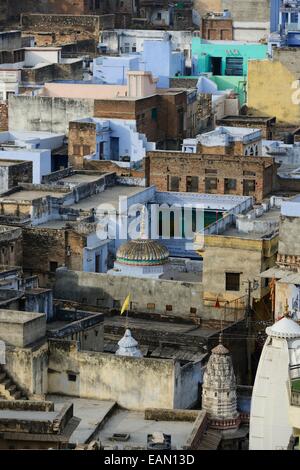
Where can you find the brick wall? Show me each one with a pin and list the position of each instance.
(42, 246)
(165, 169)
(217, 29)
(82, 142)
(65, 29)
(20, 173)
(3, 116)
(139, 110)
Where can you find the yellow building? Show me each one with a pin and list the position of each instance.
(274, 86)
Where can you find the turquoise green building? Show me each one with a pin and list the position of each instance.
(224, 58)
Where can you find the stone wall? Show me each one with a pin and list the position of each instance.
(3, 116)
(179, 82)
(28, 368)
(12, 174)
(50, 72)
(132, 382)
(148, 295)
(35, 113)
(46, 249)
(11, 248)
(61, 29)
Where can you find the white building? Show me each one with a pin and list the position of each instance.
(118, 140)
(35, 147)
(270, 428)
(9, 83)
(33, 58)
(127, 41)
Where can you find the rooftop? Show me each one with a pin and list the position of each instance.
(79, 178)
(137, 427)
(241, 118)
(111, 196)
(225, 135)
(30, 195)
(16, 316)
(90, 412)
(258, 228)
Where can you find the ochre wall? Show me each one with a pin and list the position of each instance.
(270, 91)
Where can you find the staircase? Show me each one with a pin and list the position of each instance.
(9, 390)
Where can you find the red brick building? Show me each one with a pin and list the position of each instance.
(208, 173)
(216, 27)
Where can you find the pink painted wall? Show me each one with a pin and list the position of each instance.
(140, 84)
(77, 90)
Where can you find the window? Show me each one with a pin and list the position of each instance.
(159, 15)
(211, 184)
(72, 377)
(209, 171)
(173, 183)
(134, 47)
(150, 306)
(53, 266)
(97, 4)
(126, 45)
(169, 308)
(154, 114)
(249, 187)
(192, 184)
(249, 173)
(232, 281)
(229, 185)
(294, 17)
(86, 149)
(76, 149)
(193, 310)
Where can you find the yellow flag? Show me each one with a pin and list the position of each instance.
(126, 304)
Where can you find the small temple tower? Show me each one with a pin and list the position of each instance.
(128, 346)
(219, 390)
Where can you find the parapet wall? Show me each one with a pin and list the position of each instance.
(148, 295)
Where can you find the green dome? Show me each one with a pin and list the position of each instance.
(142, 252)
